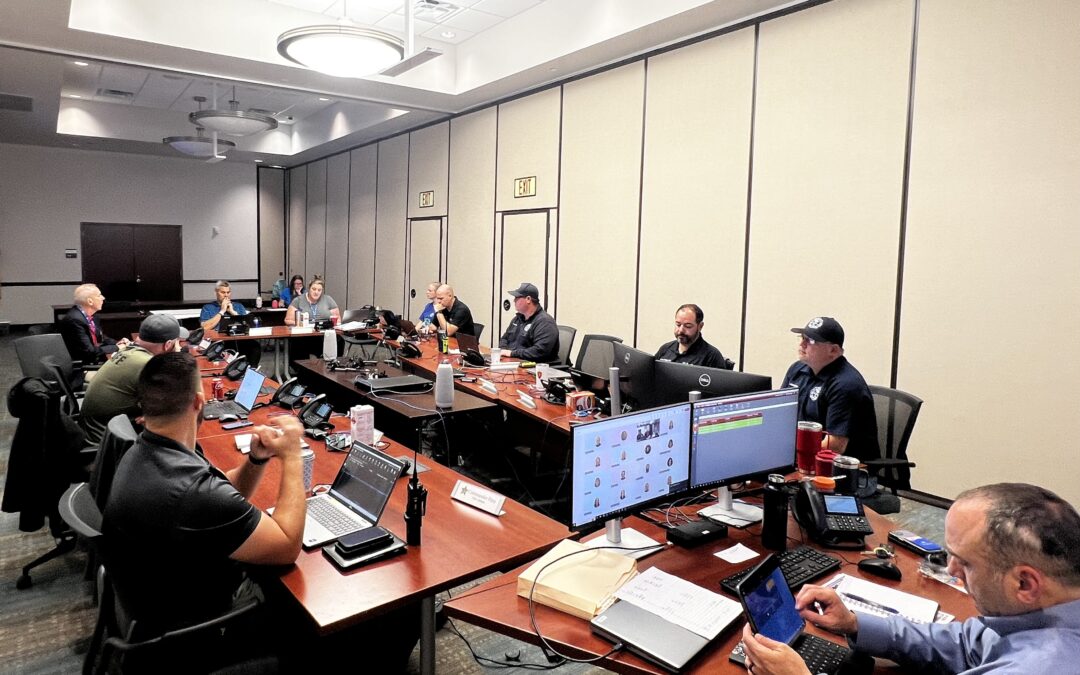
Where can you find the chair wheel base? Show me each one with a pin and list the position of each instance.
(24, 582)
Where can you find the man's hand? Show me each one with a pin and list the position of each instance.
(835, 616)
(122, 342)
(765, 656)
(280, 439)
(437, 306)
(226, 307)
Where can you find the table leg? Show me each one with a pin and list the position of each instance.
(427, 635)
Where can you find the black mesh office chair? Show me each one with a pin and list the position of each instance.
(896, 413)
(362, 341)
(69, 402)
(596, 354)
(478, 329)
(32, 348)
(566, 343)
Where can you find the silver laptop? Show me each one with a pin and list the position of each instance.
(355, 500)
(243, 402)
(649, 635)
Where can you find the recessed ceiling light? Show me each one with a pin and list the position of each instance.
(74, 96)
(276, 166)
(258, 161)
(448, 34)
(323, 98)
(81, 64)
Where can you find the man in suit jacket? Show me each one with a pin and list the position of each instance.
(81, 334)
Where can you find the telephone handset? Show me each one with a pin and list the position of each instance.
(473, 357)
(409, 350)
(236, 368)
(288, 393)
(195, 337)
(316, 413)
(214, 351)
(836, 521)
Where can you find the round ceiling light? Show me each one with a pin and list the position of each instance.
(198, 146)
(233, 122)
(341, 50)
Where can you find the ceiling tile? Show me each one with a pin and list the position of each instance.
(436, 33)
(317, 6)
(396, 22)
(473, 21)
(505, 8)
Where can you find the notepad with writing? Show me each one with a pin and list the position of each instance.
(582, 584)
(870, 598)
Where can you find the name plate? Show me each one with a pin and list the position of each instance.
(478, 497)
(301, 330)
(261, 330)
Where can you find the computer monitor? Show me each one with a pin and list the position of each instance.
(739, 437)
(636, 370)
(623, 464)
(675, 381)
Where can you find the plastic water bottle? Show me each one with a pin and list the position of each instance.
(329, 344)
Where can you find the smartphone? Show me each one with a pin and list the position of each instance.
(914, 542)
(468, 380)
(239, 424)
(363, 540)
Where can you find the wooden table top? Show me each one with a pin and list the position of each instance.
(496, 606)
(459, 542)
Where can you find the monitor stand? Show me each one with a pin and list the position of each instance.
(616, 535)
(725, 510)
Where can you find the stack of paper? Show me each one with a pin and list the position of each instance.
(866, 596)
(582, 584)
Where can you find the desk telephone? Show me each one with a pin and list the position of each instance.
(288, 394)
(316, 413)
(214, 351)
(836, 521)
(236, 368)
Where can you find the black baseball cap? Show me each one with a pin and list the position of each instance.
(823, 329)
(526, 290)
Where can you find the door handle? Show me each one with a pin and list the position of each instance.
(138, 279)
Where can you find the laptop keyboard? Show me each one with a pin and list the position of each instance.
(219, 408)
(821, 656)
(799, 566)
(332, 518)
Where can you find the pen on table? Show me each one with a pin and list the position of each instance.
(871, 603)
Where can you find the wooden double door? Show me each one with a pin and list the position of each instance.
(131, 262)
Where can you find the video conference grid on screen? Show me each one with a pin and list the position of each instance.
(628, 460)
(741, 436)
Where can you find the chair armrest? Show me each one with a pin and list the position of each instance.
(218, 621)
(358, 341)
(876, 465)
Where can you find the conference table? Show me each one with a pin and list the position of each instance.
(496, 606)
(459, 542)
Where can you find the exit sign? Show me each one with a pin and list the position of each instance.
(525, 187)
(427, 199)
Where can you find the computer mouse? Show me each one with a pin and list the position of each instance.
(881, 568)
(228, 417)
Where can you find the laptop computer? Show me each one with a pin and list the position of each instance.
(770, 609)
(243, 402)
(648, 635)
(356, 499)
(466, 342)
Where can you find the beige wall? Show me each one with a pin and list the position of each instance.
(677, 150)
(335, 269)
(296, 261)
(271, 227)
(363, 172)
(429, 151)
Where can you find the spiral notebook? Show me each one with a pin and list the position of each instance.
(870, 598)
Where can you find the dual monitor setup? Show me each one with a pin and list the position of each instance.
(623, 464)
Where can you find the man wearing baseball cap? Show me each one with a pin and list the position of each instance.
(832, 392)
(112, 391)
(532, 335)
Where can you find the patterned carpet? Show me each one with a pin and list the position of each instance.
(45, 629)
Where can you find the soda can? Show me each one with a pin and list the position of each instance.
(308, 455)
(219, 389)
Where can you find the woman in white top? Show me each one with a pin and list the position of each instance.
(315, 303)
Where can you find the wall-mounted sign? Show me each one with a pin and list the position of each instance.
(525, 187)
(427, 199)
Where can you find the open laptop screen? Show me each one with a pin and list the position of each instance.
(366, 480)
(771, 605)
(249, 388)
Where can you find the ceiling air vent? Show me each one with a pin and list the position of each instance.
(116, 94)
(15, 102)
(435, 11)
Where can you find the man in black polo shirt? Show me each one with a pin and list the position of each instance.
(451, 314)
(532, 335)
(832, 392)
(688, 346)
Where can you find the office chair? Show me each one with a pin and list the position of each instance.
(32, 348)
(566, 342)
(596, 354)
(361, 341)
(119, 436)
(117, 638)
(896, 412)
(69, 402)
(478, 329)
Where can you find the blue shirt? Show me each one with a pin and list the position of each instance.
(428, 315)
(212, 308)
(840, 401)
(287, 296)
(1045, 641)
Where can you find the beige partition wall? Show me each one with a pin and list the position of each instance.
(598, 201)
(470, 226)
(693, 204)
(296, 262)
(271, 226)
(363, 173)
(390, 223)
(316, 219)
(337, 228)
(529, 148)
(831, 111)
(991, 302)
(429, 151)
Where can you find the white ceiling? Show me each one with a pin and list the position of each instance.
(145, 60)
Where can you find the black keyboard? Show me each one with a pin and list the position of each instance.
(799, 566)
(821, 656)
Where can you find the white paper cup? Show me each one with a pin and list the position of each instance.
(496, 356)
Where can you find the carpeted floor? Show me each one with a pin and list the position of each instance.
(45, 629)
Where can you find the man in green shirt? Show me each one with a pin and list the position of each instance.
(112, 391)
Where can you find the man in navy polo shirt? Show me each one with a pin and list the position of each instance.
(832, 392)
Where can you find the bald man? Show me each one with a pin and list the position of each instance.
(82, 335)
(451, 314)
